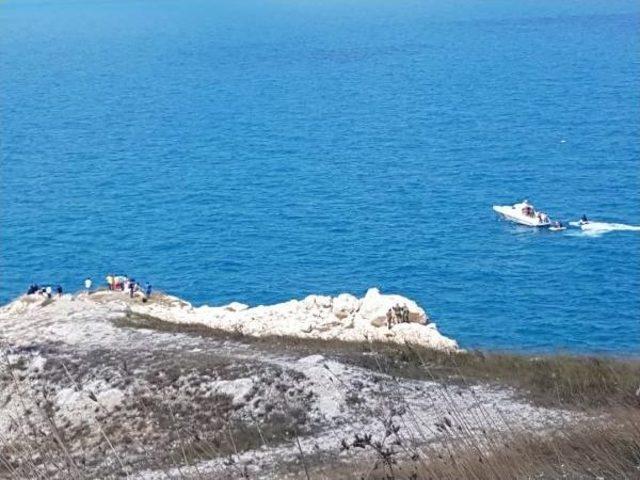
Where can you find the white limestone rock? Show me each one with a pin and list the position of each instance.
(236, 307)
(416, 334)
(317, 301)
(237, 389)
(374, 307)
(343, 318)
(345, 305)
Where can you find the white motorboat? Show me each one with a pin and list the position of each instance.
(523, 214)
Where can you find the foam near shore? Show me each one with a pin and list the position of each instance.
(344, 317)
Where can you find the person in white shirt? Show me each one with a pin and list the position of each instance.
(87, 284)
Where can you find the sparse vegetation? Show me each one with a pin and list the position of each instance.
(549, 380)
(173, 416)
(604, 450)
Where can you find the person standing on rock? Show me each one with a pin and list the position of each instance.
(148, 290)
(87, 285)
(110, 281)
(390, 317)
(405, 314)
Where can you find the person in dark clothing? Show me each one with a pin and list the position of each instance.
(59, 290)
(148, 290)
(132, 286)
(584, 219)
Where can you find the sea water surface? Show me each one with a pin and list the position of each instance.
(264, 150)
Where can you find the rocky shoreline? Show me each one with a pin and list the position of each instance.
(91, 387)
(375, 317)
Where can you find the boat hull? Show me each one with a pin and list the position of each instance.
(514, 215)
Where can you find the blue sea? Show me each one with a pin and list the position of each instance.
(264, 150)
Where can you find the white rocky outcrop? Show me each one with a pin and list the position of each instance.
(375, 317)
(84, 365)
(375, 307)
(343, 317)
(344, 305)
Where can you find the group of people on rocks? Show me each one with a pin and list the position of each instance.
(397, 314)
(115, 282)
(46, 290)
(123, 283)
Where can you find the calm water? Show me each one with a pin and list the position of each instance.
(274, 149)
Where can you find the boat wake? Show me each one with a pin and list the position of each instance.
(598, 228)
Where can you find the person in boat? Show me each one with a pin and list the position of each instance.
(583, 219)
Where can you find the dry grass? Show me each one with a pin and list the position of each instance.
(168, 417)
(601, 450)
(547, 380)
(604, 444)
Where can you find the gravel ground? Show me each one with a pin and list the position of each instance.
(86, 392)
